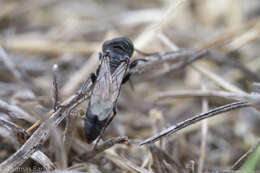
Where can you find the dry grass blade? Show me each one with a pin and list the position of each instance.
(42, 159)
(48, 47)
(41, 134)
(220, 81)
(15, 111)
(124, 163)
(182, 64)
(194, 119)
(14, 127)
(38, 156)
(160, 156)
(10, 65)
(58, 147)
(220, 58)
(68, 132)
(102, 147)
(204, 131)
(55, 90)
(199, 93)
(240, 161)
(183, 57)
(83, 91)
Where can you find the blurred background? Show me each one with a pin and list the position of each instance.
(34, 35)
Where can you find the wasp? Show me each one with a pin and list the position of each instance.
(113, 71)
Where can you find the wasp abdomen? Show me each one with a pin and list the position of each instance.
(93, 126)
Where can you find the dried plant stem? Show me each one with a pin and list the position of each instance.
(102, 147)
(220, 81)
(182, 64)
(83, 91)
(55, 91)
(16, 111)
(41, 134)
(124, 163)
(204, 132)
(10, 65)
(48, 47)
(199, 93)
(41, 158)
(196, 118)
(239, 162)
(15, 128)
(37, 123)
(67, 137)
(38, 156)
(159, 156)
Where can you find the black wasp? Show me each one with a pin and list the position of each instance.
(113, 71)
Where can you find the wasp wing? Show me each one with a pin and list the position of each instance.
(117, 79)
(101, 101)
(106, 89)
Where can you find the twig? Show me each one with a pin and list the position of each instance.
(227, 35)
(42, 159)
(41, 134)
(199, 93)
(102, 147)
(204, 131)
(83, 91)
(38, 156)
(220, 81)
(161, 155)
(219, 58)
(248, 36)
(238, 163)
(55, 90)
(14, 127)
(124, 163)
(10, 65)
(180, 55)
(67, 137)
(58, 148)
(196, 118)
(182, 64)
(19, 75)
(15, 111)
(167, 42)
(158, 164)
(49, 47)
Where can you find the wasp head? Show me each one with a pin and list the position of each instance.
(119, 49)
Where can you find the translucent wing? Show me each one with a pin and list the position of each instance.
(106, 89)
(101, 101)
(117, 79)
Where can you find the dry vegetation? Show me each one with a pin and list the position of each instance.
(207, 65)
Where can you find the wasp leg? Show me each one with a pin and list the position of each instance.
(109, 120)
(135, 63)
(93, 77)
(132, 66)
(100, 56)
(126, 78)
(85, 85)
